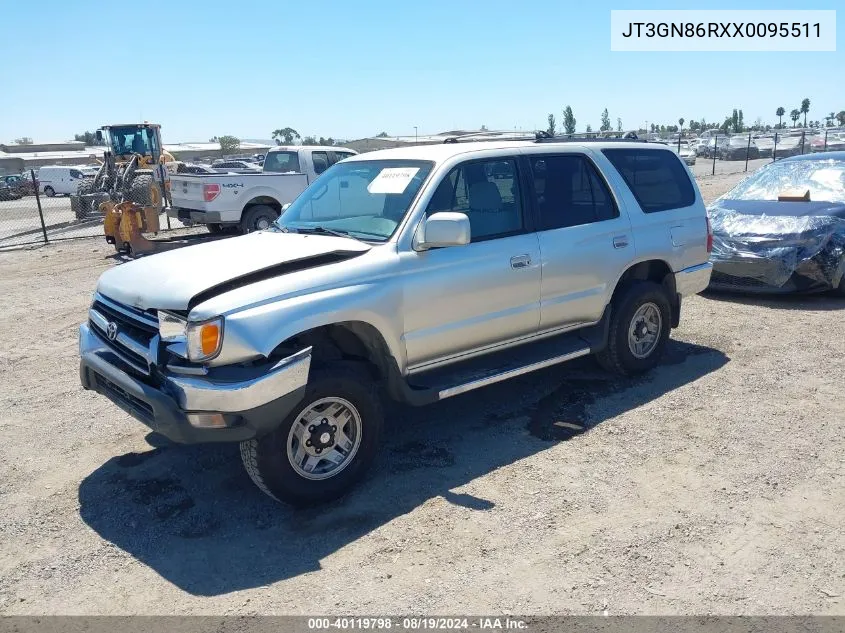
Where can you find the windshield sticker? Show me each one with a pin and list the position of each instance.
(392, 180)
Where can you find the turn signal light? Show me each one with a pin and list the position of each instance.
(209, 338)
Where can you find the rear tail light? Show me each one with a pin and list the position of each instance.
(210, 192)
(709, 235)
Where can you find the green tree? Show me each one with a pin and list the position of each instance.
(840, 117)
(325, 141)
(229, 144)
(681, 123)
(618, 124)
(551, 128)
(795, 114)
(24, 140)
(382, 135)
(605, 121)
(309, 140)
(805, 108)
(89, 138)
(286, 134)
(780, 112)
(568, 120)
(589, 128)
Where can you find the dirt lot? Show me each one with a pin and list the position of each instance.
(713, 485)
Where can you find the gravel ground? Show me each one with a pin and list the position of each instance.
(713, 485)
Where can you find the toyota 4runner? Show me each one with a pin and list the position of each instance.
(414, 273)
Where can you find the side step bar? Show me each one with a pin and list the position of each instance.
(512, 373)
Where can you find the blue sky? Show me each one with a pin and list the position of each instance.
(352, 69)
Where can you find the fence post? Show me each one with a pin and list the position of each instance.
(715, 147)
(803, 133)
(747, 149)
(825, 140)
(164, 195)
(38, 201)
(775, 149)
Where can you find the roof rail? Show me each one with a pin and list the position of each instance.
(542, 136)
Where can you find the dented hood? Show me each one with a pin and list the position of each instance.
(181, 278)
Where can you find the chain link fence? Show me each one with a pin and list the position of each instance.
(720, 153)
(42, 206)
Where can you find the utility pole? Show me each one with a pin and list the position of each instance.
(416, 136)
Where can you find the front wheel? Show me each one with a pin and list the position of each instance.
(324, 446)
(639, 329)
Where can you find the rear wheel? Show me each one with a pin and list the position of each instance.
(258, 218)
(324, 446)
(49, 192)
(641, 317)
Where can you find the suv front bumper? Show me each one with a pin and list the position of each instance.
(193, 409)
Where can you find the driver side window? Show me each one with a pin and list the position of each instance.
(487, 192)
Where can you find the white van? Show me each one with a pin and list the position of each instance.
(54, 181)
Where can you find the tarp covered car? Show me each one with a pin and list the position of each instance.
(783, 228)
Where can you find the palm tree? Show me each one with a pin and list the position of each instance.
(681, 123)
(795, 114)
(780, 112)
(805, 108)
(840, 117)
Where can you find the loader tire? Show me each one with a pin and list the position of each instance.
(81, 206)
(146, 192)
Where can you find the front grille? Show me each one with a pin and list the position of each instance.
(125, 400)
(725, 281)
(135, 331)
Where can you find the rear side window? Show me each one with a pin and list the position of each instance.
(657, 178)
(321, 161)
(569, 192)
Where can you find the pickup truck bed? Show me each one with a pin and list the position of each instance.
(225, 198)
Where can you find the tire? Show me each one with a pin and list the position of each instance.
(49, 192)
(81, 206)
(258, 218)
(269, 459)
(618, 357)
(146, 192)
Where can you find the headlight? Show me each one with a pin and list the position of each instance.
(171, 328)
(204, 339)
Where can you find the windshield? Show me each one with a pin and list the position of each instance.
(282, 162)
(824, 178)
(131, 139)
(366, 199)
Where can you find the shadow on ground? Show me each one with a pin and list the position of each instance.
(192, 514)
(820, 302)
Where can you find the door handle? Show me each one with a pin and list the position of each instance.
(520, 261)
(620, 241)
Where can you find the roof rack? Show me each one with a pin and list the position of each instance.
(542, 136)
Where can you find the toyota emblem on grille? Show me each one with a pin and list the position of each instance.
(111, 330)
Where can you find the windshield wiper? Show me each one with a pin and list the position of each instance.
(322, 230)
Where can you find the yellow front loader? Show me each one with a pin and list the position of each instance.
(130, 188)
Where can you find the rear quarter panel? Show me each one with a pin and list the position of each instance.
(677, 236)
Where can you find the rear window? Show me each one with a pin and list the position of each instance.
(282, 162)
(657, 178)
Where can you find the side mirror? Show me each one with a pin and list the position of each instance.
(439, 230)
(99, 135)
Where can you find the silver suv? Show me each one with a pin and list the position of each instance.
(419, 273)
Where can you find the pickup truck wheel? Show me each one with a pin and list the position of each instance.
(327, 442)
(639, 329)
(258, 218)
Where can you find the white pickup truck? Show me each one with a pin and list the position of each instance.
(250, 202)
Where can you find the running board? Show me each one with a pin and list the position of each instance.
(481, 371)
(512, 373)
